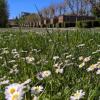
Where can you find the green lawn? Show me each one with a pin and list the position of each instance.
(26, 55)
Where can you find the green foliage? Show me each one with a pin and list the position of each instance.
(69, 24)
(96, 10)
(3, 13)
(43, 47)
(88, 24)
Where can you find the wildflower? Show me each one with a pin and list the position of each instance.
(78, 95)
(94, 52)
(81, 45)
(98, 45)
(81, 58)
(69, 56)
(98, 71)
(87, 59)
(66, 61)
(82, 65)
(14, 51)
(92, 67)
(39, 76)
(1, 57)
(15, 66)
(4, 64)
(23, 51)
(12, 88)
(16, 55)
(56, 65)
(36, 89)
(55, 57)
(30, 59)
(12, 61)
(36, 50)
(16, 96)
(98, 50)
(15, 71)
(2, 78)
(98, 62)
(4, 82)
(46, 73)
(59, 70)
(50, 40)
(43, 74)
(35, 98)
(26, 82)
(14, 92)
(5, 51)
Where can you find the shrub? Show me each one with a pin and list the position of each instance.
(88, 24)
(69, 24)
(79, 24)
(96, 23)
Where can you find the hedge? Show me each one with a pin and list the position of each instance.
(88, 24)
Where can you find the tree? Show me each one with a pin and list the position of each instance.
(94, 7)
(3, 13)
(70, 4)
(96, 10)
(52, 10)
(59, 8)
(17, 20)
(45, 12)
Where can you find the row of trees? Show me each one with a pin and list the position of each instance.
(73, 7)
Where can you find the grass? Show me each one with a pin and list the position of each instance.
(43, 47)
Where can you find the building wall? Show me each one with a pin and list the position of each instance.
(62, 19)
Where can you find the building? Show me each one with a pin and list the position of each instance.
(70, 20)
(12, 23)
(34, 20)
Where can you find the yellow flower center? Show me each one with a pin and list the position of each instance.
(15, 96)
(93, 66)
(77, 95)
(12, 90)
(37, 88)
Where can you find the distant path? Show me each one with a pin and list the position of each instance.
(44, 30)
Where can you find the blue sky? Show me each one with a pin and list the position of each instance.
(17, 6)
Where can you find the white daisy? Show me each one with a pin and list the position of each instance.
(26, 82)
(98, 71)
(59, 70)
(56, 65)
(42, 75)
(29, 59)
(82, 65)
(36, 89)
(4, 82)
(81, 45)
(92, 67)
(81, 58)
(78, 95)
(55, 57)
(87, 59)
(39, 76)
(17, 96)
(12, 89)
(35, 98)
(69, 56)
(46, 73)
